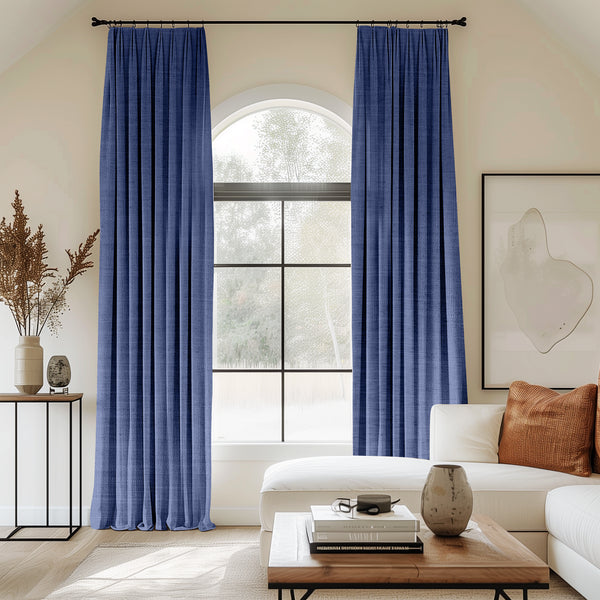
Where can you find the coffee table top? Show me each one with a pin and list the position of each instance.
(484, 556)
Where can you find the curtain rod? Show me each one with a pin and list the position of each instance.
(462, 22)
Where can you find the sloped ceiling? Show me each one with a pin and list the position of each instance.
(25, 23)
(575, 22)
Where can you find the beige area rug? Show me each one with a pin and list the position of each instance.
(223, 569)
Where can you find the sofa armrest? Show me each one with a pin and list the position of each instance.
(465, 432)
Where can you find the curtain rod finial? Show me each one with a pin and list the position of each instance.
(462, 22)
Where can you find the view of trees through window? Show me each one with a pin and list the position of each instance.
(285, 145)
(282, 347)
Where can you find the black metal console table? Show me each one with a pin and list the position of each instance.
(47, 399)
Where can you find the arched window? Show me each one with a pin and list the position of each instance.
(282, 346)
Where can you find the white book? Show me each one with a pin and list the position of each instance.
(398, 519)
(364, 536)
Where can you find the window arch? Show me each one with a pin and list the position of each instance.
(278, 138)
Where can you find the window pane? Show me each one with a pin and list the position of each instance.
(317, 232)
(247, 232)
(317, 318)
(283, 144)
(318, 407)
(246, 407)
(247, 313)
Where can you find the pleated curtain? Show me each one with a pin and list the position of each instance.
(407, 322)
(152, 467)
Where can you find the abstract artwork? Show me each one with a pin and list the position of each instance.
(541, 268)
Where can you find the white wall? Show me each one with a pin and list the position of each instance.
(521, 101)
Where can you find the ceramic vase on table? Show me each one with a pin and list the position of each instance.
(447, 500)
(58, 372)
(29, 364)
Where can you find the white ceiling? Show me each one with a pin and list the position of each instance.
(575, 22)
(25, 23)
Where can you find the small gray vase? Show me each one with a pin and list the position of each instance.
(58, 371)
(447, 500)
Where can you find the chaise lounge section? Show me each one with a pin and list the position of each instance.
(514, 496)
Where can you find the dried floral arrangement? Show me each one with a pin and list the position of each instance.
(30, 288)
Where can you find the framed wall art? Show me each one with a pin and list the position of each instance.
(541, 279)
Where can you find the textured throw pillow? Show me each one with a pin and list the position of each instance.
(596, 445)
(548, 430)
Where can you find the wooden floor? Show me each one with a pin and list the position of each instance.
(32, 570)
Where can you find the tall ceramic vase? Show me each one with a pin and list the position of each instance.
(29, 364)
(447, 500)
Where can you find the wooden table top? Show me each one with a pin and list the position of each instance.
(484, 555)
(16, 397)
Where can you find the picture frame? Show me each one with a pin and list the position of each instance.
(540, 279)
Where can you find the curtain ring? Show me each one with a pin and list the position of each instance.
(172, 24)
(147, 23)
(407, 25)
(372, 23)
(357, 22)
(421, 24)
(161, 23)
(188, 22)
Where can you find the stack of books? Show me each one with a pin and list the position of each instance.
(332, 531)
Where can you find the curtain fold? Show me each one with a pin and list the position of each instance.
(407, 323)
(156, 284)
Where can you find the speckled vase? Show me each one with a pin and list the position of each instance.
(447, 500)
(29, 364)
(58, 371)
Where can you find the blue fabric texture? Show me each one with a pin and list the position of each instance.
(153, 458)
(407, 323)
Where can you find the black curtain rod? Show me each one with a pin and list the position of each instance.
(462, 22)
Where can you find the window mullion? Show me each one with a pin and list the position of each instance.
(282, 319)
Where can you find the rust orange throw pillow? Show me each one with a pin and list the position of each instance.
(548, 430)
(596, 446)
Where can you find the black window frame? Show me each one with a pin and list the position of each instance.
(283, 192)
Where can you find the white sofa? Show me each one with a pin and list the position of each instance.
(517, 497)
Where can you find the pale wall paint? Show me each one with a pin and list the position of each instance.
(521, 102)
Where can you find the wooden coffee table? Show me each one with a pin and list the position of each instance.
(486, 557)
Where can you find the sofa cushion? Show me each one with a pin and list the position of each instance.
(513, 496)
(572, 517)
(548, 430)
(465, 432)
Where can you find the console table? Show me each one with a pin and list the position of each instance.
(47, 399)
